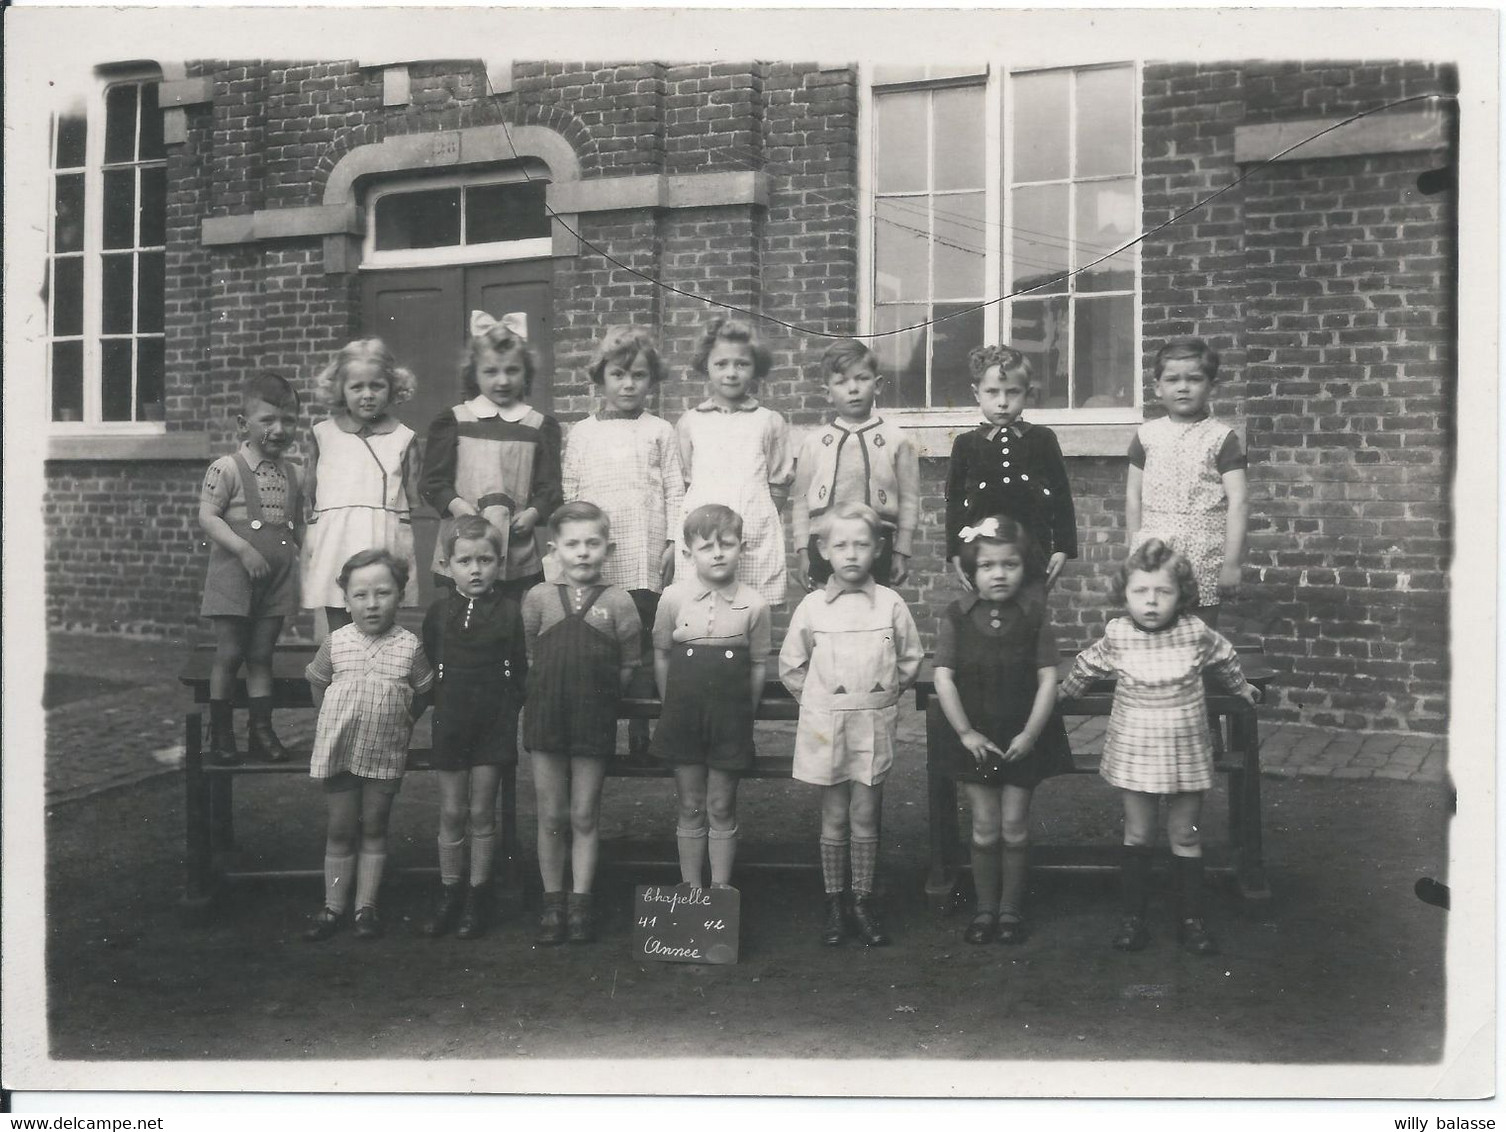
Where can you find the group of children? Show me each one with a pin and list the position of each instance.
(667, 541)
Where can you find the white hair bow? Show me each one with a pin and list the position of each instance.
(515, 323)
(989, 528)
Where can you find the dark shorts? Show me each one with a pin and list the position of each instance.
(230, 592)
(474, 725)
(348, 780)
(883, 562)
(706, 718)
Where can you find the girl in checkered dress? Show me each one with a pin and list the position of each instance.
(370, 680)
(1158, 742)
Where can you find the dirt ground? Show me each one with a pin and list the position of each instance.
(1343, 964)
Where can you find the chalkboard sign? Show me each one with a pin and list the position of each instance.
(685, 924)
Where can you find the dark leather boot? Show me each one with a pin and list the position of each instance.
(834, 929)
(477, 912)
(865, 922)
(261, 740)
(580, 924)
(222, 748)
(446, 910)
(552, 925)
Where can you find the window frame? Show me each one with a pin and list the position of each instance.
(93, 252)
(496, 251)
(999, 183)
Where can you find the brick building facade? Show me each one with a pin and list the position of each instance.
(1326, 278)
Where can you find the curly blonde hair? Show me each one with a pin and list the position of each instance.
(621, 345)
(732, 330)
(329, 385)
(1149, 557)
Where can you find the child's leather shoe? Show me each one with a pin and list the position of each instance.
(1012, 932)
(447, 910)
(553, 928)
(982, 928)
(222, 748)
(261, 740)
(326, 923)
(368, 923)
(476, 913)
(834, 930)
(1131, 935)
(1195, 937)
(865, 922)
(580, 925)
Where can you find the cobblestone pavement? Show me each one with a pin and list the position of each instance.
(119, 720)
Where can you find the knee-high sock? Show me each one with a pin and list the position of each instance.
(1134, 875)
(834, 864)
(483, 847)
(864, 864)
(721, 846)
(1016, 870)
(369, 879)
(451, 860)
(692, 846)
(339, 881)
(986, 876)
(1189, 887)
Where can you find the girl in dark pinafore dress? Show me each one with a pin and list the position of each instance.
(583, 647)
(995, 671)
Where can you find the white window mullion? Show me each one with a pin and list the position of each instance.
(94, 239)
(866, 234)
(1072, 253)
(930, 312)
(993, 273)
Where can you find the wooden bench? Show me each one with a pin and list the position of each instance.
(209, 789)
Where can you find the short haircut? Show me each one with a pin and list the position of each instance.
(1009, 360)
(1153, 555)
(1011, 533)
(858, 512)
(499, 340)
(270, 387)
(1205, 355)
(375, 557)
(732, 330)
(579, 511)
(710, 520)
(846, 352)
(476, 529)
(621, 345)
(329, 384)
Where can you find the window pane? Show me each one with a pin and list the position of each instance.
(68, 223)
(150, 284)
(153, 208)
(505, 212)
(120, 123)
(120, 208)
(429, 219)
(67, 381)
(1038, 245)
(899, 160)
(149, 379)
(1038, 329)
(116, 292)
(1105, 121)
(961, 236)
(115, 379)
(72, 132)
(151, 124)
(1104, 352)
(902, 357)
(894, 73)
(1041, 126)
(901, 243)
(959, 138)
(68, 296)
(951, 341)
(1106, 220)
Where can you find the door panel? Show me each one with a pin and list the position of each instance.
(423, 314)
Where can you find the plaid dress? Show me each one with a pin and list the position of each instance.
(364, 724)
(1158, 740)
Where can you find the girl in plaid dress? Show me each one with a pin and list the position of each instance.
(1158, 741)
(370, 680)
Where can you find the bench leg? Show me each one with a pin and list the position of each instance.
(941, 878)
(510, 886)
(221, 823)
(198, 886)
(1253, 884)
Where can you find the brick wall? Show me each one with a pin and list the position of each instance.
(1326, 284)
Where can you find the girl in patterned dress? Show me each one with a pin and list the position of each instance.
(995, 669)
(495, 455)
(370, 681)
(363, 475)
(626, 460)
(1186, 478)
(737, 453)
(1158, 741)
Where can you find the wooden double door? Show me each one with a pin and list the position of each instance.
(423, 314)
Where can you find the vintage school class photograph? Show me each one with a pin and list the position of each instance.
(832, 553)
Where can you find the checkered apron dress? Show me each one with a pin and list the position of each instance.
(364, 725)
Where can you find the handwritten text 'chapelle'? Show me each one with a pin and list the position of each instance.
(698, 896)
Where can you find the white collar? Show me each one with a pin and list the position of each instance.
(486, 408)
